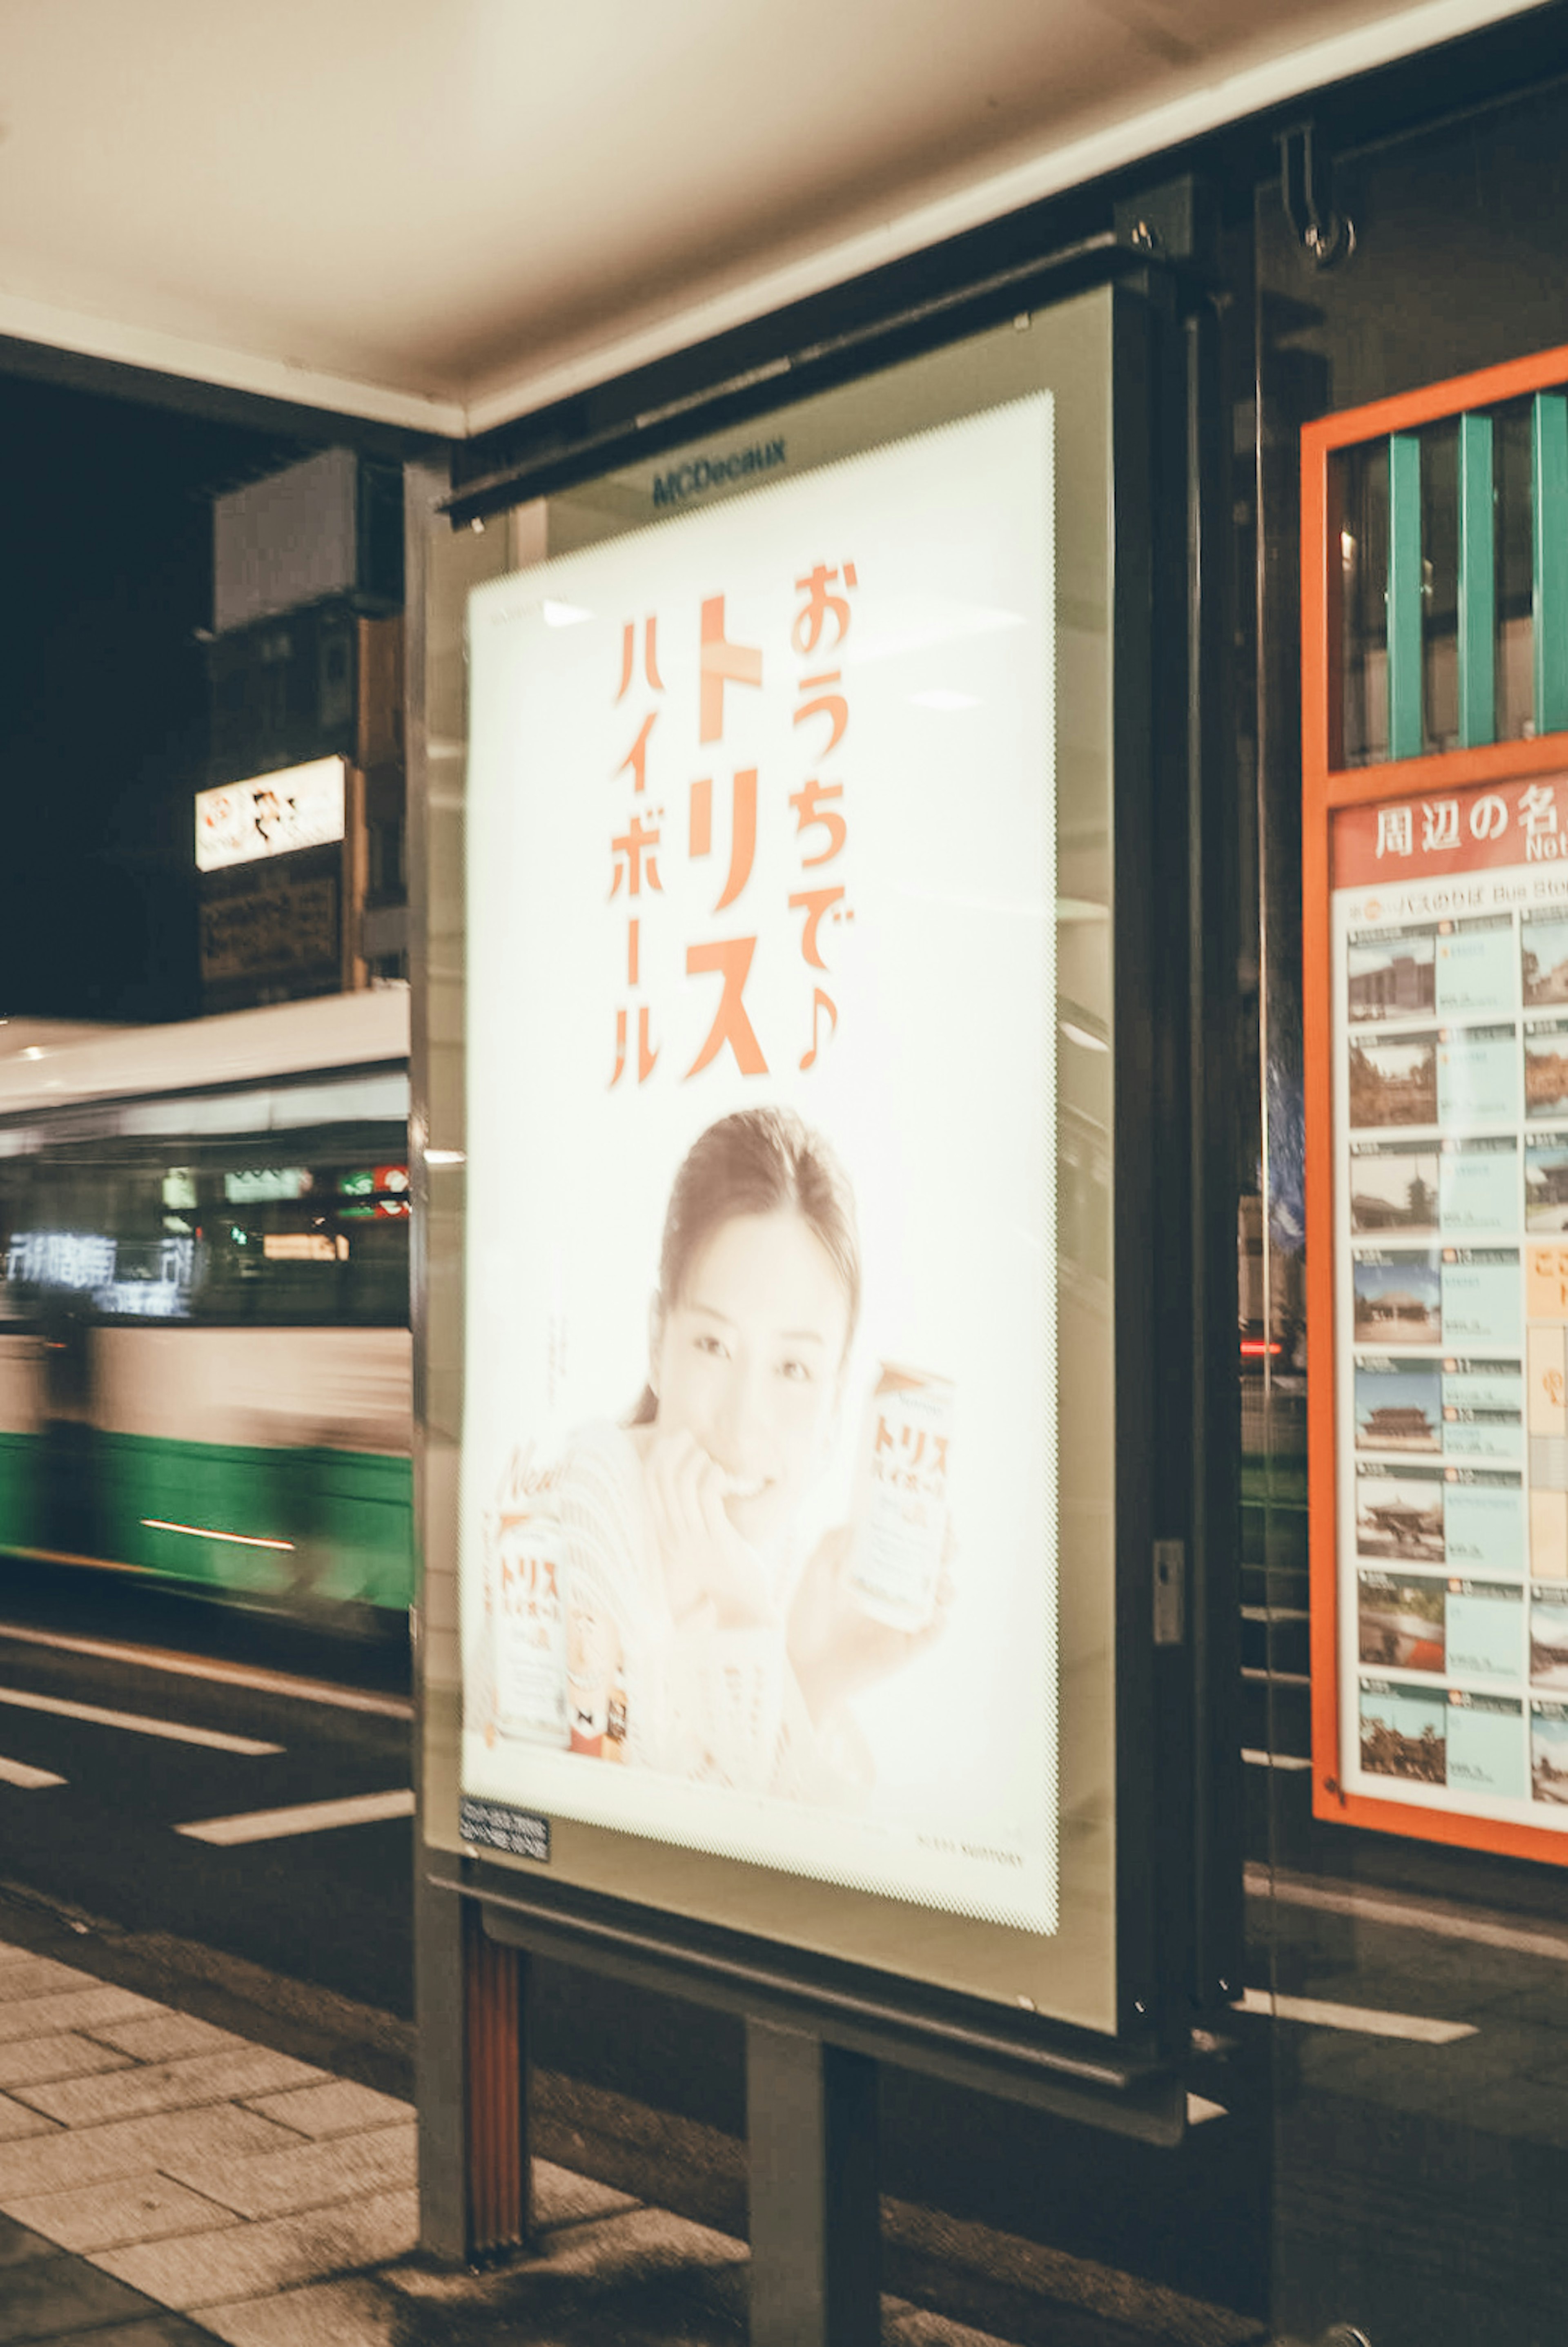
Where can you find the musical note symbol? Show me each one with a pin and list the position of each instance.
(820, 1002)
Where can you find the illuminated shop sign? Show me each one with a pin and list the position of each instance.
(375, 1190)
(273, 815)
(259, 1185)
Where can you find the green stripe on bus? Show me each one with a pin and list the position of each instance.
(1404, 596)
(1549, 500)
(1477, 585)
(208, 1513)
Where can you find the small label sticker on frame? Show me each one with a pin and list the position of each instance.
(521, 1832)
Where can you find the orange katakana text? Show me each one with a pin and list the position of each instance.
(636, 758)
(742, 829)
(730, 959)
(723, 663)
(646, 1054)
(633, 851)
(650, 655)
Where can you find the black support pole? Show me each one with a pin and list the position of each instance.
(811, 2127)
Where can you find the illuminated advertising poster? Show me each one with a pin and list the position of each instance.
(1450, 1069)
(759, 1491)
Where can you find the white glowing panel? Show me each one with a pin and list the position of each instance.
(272, 815)
(758, 1550)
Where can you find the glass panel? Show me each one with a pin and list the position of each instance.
(1440, 587)
(309, 1232)
(1362, 503)
(1421, 2151)
(1515, 604)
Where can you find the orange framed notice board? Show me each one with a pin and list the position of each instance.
(1435, 908)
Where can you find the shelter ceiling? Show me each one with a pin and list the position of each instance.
(447, 210)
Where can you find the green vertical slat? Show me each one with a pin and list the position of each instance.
(1477, 585)
(1549, 520)
(1404, 596)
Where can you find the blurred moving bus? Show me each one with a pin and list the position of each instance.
(205, 1367)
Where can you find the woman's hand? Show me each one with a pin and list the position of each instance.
(836, 1648)
(702, 1554)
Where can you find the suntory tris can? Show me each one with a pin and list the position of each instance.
(901, 1497)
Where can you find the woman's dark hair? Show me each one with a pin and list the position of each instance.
(762, 1161)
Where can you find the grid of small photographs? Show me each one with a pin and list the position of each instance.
(1454, 1167)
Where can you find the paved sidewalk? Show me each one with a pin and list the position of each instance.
(164, 2181)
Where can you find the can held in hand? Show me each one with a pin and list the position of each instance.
(526, 1546)
(901, 1497)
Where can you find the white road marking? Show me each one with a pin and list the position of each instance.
(18, 1772)
(1361, 2018)
(195, 1667)
(1408, 1915)
(212, 1737)
(309, 1817)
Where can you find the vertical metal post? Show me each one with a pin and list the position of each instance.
(441, 2087)
(1549, 517)
(500, 2168)
(1404, 595)
(1477, 585)
(816, 2216)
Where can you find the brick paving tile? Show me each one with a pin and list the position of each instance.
(219, 2268)
(16, 2119)
(323, 2314)
(339, 2107)
(314, 2175)
(30, 2061)
(110, 2216)
(169, 2086)
(163, 2037)
(188, 2144)
(81, 2008)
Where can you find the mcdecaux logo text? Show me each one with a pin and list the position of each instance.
(710, 472)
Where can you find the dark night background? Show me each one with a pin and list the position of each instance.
(106, 579)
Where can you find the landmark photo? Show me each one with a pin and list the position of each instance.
(1546, 1183)
(1394, 1083)
(1398, 1406)
(1549, 1752)
(1543, 959)
(1548, 1644)
(1394, 1190)
(1398, 1299)
(1404, 1732)
(1399, 1517)
(1399, 1624)
(1388, 977)
(1546, 1069)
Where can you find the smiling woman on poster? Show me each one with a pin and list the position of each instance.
(704, 1638)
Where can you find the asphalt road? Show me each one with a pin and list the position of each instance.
(331, 1907)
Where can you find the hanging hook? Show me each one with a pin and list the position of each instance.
(1306, 186)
